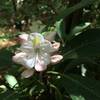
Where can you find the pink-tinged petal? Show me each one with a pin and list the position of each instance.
(27, 73)
(40, 66)
(27, 61)
(56, 46)
(23, 37)
(18, 57)
(56, 58)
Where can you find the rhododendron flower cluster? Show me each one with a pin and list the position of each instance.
(36, 53)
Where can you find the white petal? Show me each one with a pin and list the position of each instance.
(56, 58)
(44, 57)
(29, 62)
(47, 47)
(33, 35)
(27, 47)
(27, 73)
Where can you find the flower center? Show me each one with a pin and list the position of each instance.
(36, 44)
(36, 41)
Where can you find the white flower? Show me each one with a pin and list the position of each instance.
(35, 51)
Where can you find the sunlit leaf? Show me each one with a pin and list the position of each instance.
(73, 97)
(11, 80)
(3, 88)
(77, 30)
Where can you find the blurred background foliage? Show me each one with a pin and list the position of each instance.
(74, 23)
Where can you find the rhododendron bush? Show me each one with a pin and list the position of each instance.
(50, 50)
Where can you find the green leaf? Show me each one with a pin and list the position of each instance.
(37, 26)
(5, 58)
(73, 97)
(86, 44)
(58, 93)
(77, 30)
(77, 85)
(60, 29)
(70, 10)
(9, 95)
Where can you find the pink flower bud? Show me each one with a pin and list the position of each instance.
(56, 58)
(56, 45)
(23, 37)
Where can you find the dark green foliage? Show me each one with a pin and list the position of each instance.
(5, 58)
(77, 85)
(77, 76)
(85, 44)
